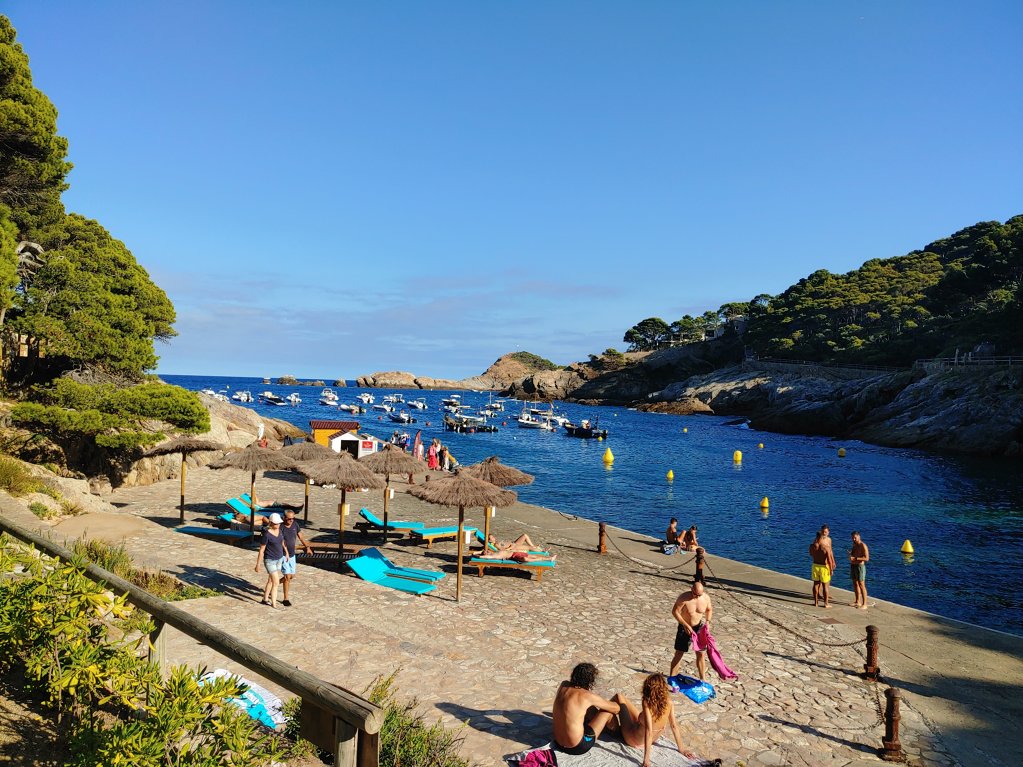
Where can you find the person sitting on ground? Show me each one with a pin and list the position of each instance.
(640, 728)
(671, 536)
(579, 714)
(689, 542)
(522, 543)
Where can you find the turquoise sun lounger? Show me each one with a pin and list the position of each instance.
(537, 567)
(373, 522)
(492, 547)
(241, 508)
(374, 571)
(430, 534)
(233, 537)
(428, 576)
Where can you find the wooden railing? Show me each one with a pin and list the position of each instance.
(333, 718)
(969, 360)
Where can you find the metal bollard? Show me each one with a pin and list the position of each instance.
(891, 750)
(870, 668)
(698, 576)
(602, 538)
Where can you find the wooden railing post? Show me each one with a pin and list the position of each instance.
(602, 538)
(870, 668)
(698, 576)
(892, 748)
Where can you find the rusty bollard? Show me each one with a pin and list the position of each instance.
(602, 538)
(891, 750)
(698, 576)
(870, 669)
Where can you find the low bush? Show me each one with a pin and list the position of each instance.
(117, 560)
(41, 510)
(15, 478)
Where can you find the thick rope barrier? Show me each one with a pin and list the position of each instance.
(650, 565)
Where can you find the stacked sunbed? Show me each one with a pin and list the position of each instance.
(373, 566)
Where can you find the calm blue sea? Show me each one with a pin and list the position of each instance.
(963, 516)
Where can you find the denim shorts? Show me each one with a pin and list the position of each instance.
(273, 565)
(290, 566)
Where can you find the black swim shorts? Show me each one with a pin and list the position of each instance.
(584, 745)
(682, 638)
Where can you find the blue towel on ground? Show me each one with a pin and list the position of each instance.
(692, 688)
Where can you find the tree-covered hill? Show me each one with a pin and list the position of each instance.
(955, 294)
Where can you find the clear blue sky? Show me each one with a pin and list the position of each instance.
(330, 189)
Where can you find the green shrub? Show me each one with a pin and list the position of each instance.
(153, 400)
(533, 361)
(41, 510)
(15, 478)
(56, 419)
(49, 490)
(71, 508)
(128, 440)
(117, 560)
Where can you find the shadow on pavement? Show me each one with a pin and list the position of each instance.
(525, 726)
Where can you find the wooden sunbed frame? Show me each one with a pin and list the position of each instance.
(431, 537)
(481, 564)
(325, 552)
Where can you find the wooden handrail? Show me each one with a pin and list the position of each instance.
(342, 704)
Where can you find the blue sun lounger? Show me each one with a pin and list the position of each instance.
(492, 547)
(536, 567)
(373, 522)
(430, 534)
(374, 571)
(427, 576)
(240, 507)
(234, 537)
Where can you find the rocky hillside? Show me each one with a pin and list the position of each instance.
(505, 370)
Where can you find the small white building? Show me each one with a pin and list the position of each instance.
(356, 444)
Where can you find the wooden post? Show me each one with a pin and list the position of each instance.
(461, 541)
(487, 511)
(602, 538)
(870, 668)
(387, 494)
(184, 468)
(341, 536)
(369, 749)
(157, 650)
(346, 742)
(698, 576)
(252, 509)
(305, 515)
(891, 750)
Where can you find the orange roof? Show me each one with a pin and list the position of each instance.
(334, 425)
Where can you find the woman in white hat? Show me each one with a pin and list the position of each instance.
(272, 553)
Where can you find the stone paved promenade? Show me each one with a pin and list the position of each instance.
(494, 660)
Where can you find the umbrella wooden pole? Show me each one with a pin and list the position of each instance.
(305, 516)
(252, 497)
(486, 528)
(341, 533)
(387, 495)
(461, 540)
(183, 469)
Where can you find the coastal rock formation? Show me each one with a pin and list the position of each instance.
(551, 384)
(394, 379)
(505, 370)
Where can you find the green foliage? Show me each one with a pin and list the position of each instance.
(533, 361)
(92, 302)
(405, 738)
(128, 440)
(116, 560)
(649, 334)
(73, 641)
(15, 478)
(8, 261)
(32, 164)
(41, 510)
(57, 420)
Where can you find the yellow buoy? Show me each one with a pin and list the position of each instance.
(764, 503)
(685, 431)
(760, 445)
(670, 475)
(737, 456)
(600, 439)
(609, 457)
(907, 547)
(841, 452)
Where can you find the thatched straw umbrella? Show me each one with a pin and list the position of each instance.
(496, 473)
(185, 446)
(345, 473)
(390, 460)
(254, 459)
(462, 490)
(303, 452)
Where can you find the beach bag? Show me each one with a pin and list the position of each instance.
(694, 689)
(670, 548)
(536, 757)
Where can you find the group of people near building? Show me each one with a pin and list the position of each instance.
(438, 456)
(822, 556)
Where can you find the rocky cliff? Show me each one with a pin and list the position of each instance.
(499, 375)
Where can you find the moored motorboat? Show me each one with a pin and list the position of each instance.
(328, 397)
(585, 430)
(366, 398)
(466, 425)
(418, 404)
(294, 399)
(269, 398)
(242, 396)
(385, 407)
(401, 416)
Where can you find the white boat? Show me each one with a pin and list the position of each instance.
(366, 398)
(453, 401)
(208, 392)
(395, 398)
(328, 397)
(351, 408)
(294, 399)
(402, 417)
(418, 404)
(269, 398)
(242, 396)
(384, 407)
(535, 418)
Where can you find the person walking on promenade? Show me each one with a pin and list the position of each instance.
(271, 555)
(820, 570)
(579, 714)
(693, 611)
(640, 728)
(859, 555)
(292, 537)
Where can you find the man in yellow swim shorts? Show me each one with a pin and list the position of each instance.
(820, 571)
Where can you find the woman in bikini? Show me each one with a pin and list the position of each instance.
(640, 728)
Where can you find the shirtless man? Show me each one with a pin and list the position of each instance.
(579, 713)
(859, 555)
(693, 611)
(826, 542)
(689, 542)
(820, 570)
(671, 536)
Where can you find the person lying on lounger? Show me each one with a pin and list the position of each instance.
(522, 543)
(516, 556)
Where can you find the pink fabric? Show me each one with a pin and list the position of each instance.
(433, 463)
(704, 642)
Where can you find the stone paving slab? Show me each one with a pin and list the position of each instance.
(491, 663)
